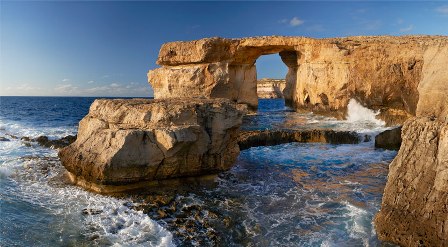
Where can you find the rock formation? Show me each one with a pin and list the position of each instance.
(414, 211)
(397, 75)
(270, 88)
(255, 138)
(126, 144)
(389, 139)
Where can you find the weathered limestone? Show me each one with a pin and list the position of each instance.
(414, 211)
(126, 144)
(270, 88)
(383, 73)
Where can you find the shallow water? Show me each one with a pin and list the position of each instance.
(286, 195)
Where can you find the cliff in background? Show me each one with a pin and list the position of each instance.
(270, 88)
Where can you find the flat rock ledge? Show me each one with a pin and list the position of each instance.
(129, 144)
(414, 210)
(255, 138)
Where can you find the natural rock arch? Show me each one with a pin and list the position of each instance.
(384, 73)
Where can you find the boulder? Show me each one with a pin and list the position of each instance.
(129, 144)
(389, 139)
(414, 210)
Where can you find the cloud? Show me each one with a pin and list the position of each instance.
(66, 89)
(65, 80)
(114, 85)
(406, 29)
(90, 82)
(442, 10)
(294, 22)
(400, 21)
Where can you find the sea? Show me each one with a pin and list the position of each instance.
(295, 194)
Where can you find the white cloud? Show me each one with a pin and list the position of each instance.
(67, 89)
(114, 85)
(295, 21)
(442, 10)
(90, 82)
(65, 80)
(407, 29)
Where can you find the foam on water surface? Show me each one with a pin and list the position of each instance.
(287, 195)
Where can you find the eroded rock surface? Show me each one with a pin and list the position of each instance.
(397, 75)
(389, 139)
(414, 211)
(255, 138)
(126, 144)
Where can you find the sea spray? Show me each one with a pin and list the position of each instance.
(358, 113)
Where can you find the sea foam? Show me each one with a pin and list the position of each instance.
(358, 113)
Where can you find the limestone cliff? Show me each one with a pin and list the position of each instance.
(414, 211)
(270, 88)
(384, 73)
(126, 144)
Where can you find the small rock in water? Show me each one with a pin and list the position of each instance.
(91, 211)
(367, 138)
(4, 139)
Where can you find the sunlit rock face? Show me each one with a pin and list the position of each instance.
(414, 210)
(270, 88)
(126, 144)
(397, 75)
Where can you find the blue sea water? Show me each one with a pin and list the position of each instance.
(286, 195)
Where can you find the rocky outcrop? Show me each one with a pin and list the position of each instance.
(127, 144)
(389, 139)
(397, 75)
(270, 88)
(255, 138)
(414, 211)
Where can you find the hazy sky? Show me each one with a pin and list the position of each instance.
(106, 48)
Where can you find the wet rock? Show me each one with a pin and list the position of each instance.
(389, 139)
(26, 138)
(4, 139)
(58, 143)
(91, 211)
(46, 142)
(248, 139)
(367, 138)
(414, 209)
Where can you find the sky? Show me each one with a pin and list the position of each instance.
(105, 48)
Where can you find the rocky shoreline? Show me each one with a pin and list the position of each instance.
(205, 87)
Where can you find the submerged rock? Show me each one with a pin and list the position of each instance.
(389, 139)
(414, 209)
(4, 139)
(129, 144)
(248, 139)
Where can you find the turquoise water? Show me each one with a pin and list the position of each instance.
(286, 195)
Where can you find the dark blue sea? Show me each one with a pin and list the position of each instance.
(286, 195)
